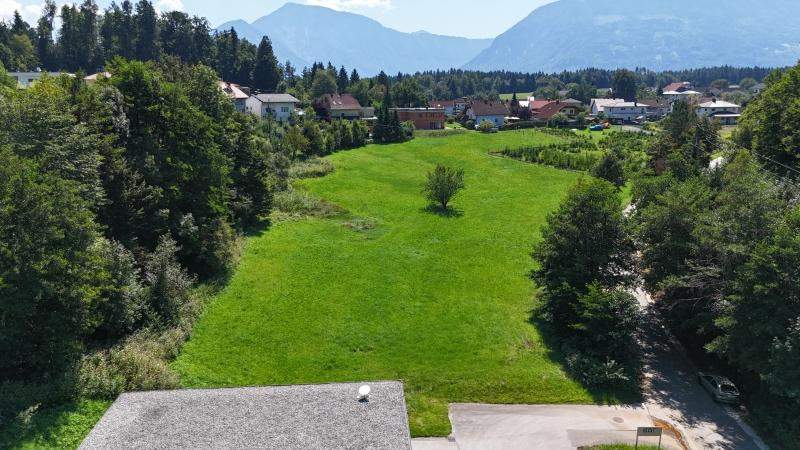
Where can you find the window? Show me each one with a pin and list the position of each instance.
(284, 109)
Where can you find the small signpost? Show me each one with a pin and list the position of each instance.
(649, 432)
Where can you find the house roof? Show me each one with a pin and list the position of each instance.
(95, 76)
(484, 108)
(276, 98)
(602, 103)
(339, 101)
(537, 104)
(678, 87)
(551, 109)
(718, 104)
(689, 92)
(442, 103)
(572, 100)
(287, 417)
(233, 91)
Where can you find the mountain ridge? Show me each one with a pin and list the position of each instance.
(657, 34)
(300, 33)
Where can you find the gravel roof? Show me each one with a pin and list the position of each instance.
(287, 417)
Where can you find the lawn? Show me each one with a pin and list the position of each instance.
(520, 96)
(391, 290)
(56, 427)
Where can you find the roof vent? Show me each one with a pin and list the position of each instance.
(363, 393)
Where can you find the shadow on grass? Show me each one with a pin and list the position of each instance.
(631, 394)
(443, 212)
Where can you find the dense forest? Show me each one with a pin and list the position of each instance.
(721, 249)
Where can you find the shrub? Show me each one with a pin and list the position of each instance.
(124, 303)
(485, 127)
(168, 285)
(311, 168)
(293, 203)
(442, 184)
(610, 168)
(140, 363)
(596, 372)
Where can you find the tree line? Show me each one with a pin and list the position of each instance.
(117, 198)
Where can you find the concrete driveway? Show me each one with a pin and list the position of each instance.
(541, 427)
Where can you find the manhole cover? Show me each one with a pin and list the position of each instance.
(619, 419)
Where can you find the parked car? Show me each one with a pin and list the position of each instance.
(721, 389)
(599, 127)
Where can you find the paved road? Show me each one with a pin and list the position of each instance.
(674, 395)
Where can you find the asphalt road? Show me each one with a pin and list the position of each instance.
(674, 395)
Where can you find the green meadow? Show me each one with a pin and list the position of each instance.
(390, 289)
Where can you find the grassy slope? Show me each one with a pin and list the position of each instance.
(56, 428)
(441, 303)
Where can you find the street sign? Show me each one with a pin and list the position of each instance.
(649, 432)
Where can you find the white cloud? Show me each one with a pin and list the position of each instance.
(348, 5)
(169, 5)
(30, 13)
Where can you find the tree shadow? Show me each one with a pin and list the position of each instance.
(630, 394)
(448, 212)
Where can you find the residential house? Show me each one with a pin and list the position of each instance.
(237, 94)
(26, 79)
(723, 112)
(758, 88)
(536, 105)
(278, 106)
(656, 109)
(369, 415)
(485, 111)
(341, 106)
(568, 107)
(461, 104)
(92, 79)
(598, 105)
(688, 96)
(680, 86)
(626, 112)
(449, 106)
(423, 118)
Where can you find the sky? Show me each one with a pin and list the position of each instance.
(451, 17)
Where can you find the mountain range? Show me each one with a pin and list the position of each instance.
(656, 34)
(304, 34)
(564, 35)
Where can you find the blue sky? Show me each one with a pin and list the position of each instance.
(470, 18)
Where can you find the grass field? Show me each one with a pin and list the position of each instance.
(61, 427)
(392, 290)
(520, 96)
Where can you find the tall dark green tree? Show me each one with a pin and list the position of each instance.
(146, 24)
(45, 47)
(355, 77)
(342, 81)
(624, 85)
(266, 73)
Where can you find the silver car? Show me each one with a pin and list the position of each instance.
(721, 388)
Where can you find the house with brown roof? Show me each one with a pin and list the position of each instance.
(486, 111)
(568, 107)
(680, 86)
(341, 106)
(423, 118)
(236, 93)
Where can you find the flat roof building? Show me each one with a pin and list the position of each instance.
(286, 417)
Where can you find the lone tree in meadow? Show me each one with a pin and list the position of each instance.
(443, 183)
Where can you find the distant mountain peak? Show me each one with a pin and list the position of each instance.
(656, 34)
(306, 33)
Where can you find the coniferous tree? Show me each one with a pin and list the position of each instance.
(44, 36)
(146, 31)
(266, 74)
(354, 77)
(342, 81)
